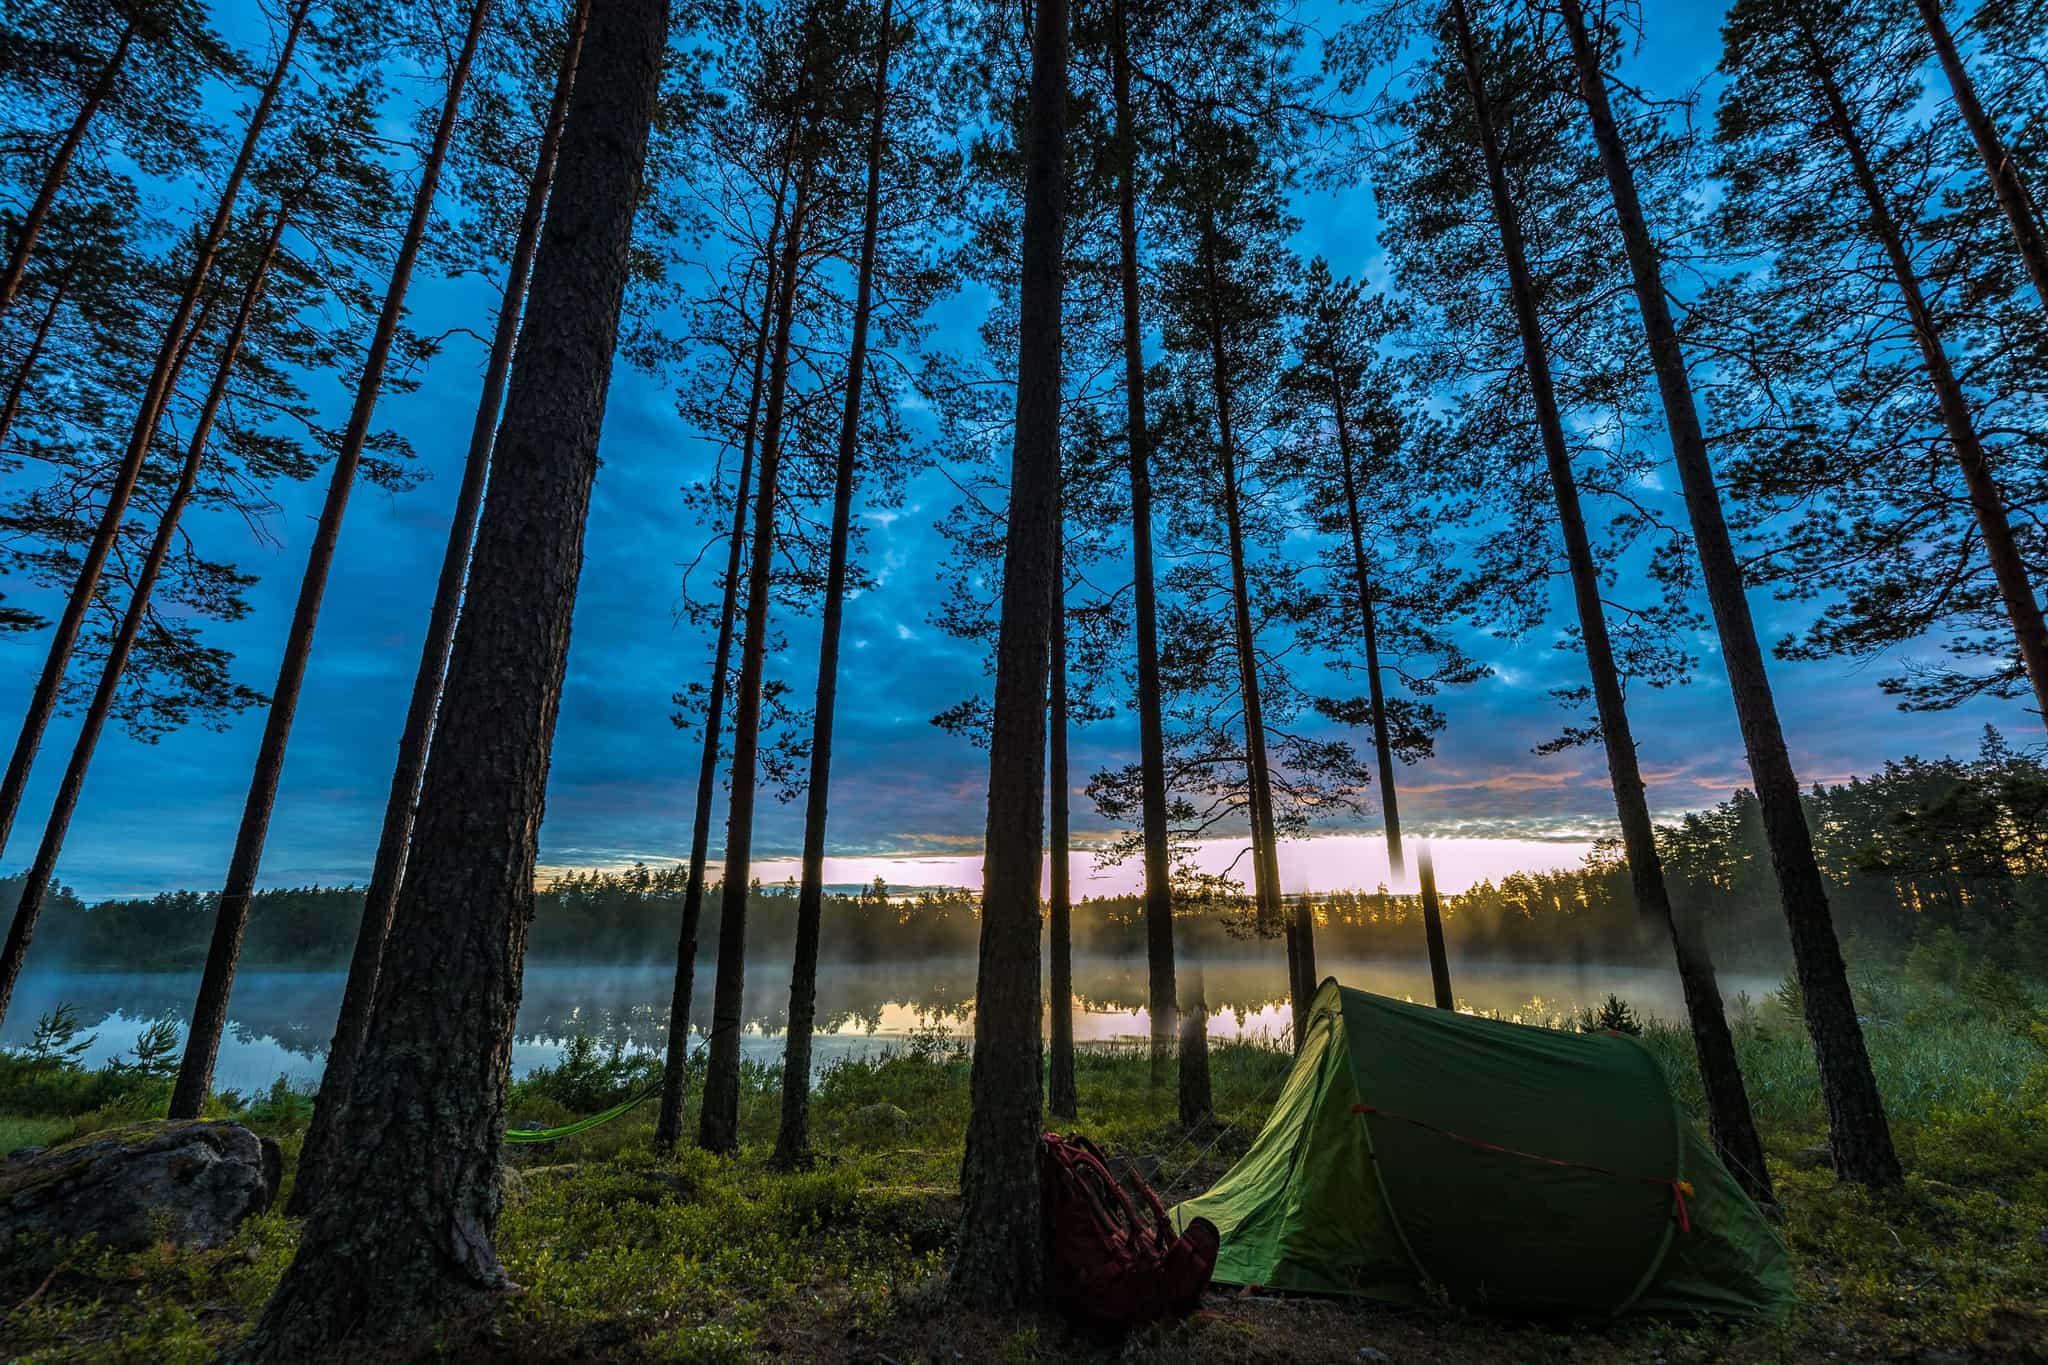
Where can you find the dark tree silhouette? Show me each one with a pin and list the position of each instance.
(145, 77)
(40, 880)
(1433, 930)
(216, 983)
(1736, 1130)
(405, 1234)
(161, 384)
(2008, 183)
(668, 1126)
(1061, 1096)
(1800, 884)
(718, 1115)
(999, 1262)
(792, 1139)
(1883, 375)
(1161, 998)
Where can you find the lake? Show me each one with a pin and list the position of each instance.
(281, 1021)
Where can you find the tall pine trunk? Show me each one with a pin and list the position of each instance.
(718, 1118)
(216, 982)
(1061, 1097)
(792, 1138)
(1160, 994)
(18, 386)
(1638, 835)
(675, 1072)
(60, 169)
(1703, 998)
(405, 1237)
(2021, 214)
(1433, 930)
(1696, 972)
(381, 899)
(156, 395)
(1000, 1262)
(1986, 500)
(1801, 888)
(1382, 741)
(1266, 895)
(42, 872)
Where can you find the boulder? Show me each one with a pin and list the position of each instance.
(186, 1181)
(882, 1119)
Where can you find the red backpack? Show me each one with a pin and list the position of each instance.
(1114, 1266)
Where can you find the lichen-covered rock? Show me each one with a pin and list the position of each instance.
(188, 1181)
(882, 1119)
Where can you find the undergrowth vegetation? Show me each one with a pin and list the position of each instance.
(622, 1255)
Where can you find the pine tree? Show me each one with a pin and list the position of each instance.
(1497, 127)
(999, 1260)
(2001, 169)
(216, 983)
(1161, 998)
(137, 68)
(792, 1139)
(1881, 358)
(675, 1070)
(1225, 291)
(316, 1154)
(327, 196)
(718, 1115)
(1395, 590)
(405, 1236)
(160, 385)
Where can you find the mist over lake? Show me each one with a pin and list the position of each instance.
(282, 1020)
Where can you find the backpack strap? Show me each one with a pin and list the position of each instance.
(1103, 1185)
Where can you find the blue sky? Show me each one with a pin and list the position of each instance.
(164, 815)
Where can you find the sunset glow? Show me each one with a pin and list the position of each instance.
(1337, 862)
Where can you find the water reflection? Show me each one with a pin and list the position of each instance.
(282, 1020)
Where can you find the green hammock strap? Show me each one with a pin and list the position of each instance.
(582, 1125)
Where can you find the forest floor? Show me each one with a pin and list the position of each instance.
(625, 1257)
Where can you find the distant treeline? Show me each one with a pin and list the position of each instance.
(1955, 843)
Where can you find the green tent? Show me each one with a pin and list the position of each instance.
(1417, 1151)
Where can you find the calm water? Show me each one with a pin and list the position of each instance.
(281, 1021)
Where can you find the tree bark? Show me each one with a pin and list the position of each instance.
(1258, 775)
(675, 1074)
(1801, 888)
(718, 1118)
(1999, 166)
(36, 886)
(1160, 993)
(1061, 1097)
(1382, 742)
(1433, 930)
(216, 983)
(36, 345)
(1986, 501)
(381, 899)
(1000, 1262)
(792, 1138)
(60, 169)
(405, 1237)
(156, 394)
